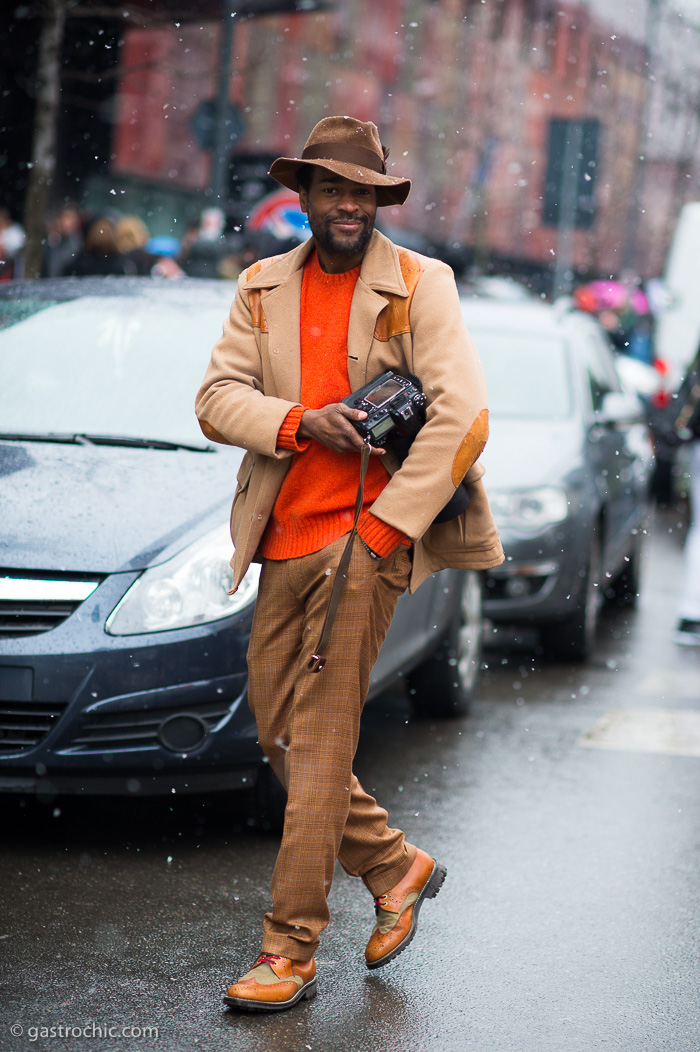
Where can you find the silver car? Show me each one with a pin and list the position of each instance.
(569, 464)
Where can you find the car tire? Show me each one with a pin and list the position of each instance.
(572, 638)
(623, 591)
(270, 800)
(445, 684)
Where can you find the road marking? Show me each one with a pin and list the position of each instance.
(670, 683)
(675, 732)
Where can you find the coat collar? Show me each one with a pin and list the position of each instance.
(381, 269)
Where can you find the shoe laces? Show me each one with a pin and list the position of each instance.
(380, 901)
(267, 958)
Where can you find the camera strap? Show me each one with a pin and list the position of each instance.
(318, 660)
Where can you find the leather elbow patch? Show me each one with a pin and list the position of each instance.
(212, 434)
(471, 447)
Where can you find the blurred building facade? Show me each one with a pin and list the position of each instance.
(477, 100)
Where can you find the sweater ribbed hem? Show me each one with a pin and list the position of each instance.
(306, 535)
(378, 535)
(287, 435)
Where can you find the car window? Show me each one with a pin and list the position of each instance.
(107, 365)
(599, 376)
(527, 374)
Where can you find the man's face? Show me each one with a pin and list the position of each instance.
(341, 216)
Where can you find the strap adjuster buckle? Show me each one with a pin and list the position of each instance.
(316, 662)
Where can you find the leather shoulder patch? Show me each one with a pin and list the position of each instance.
(254, 302)
(394, 318)
(260, 264)
(256, 309)
(253, 270)
(412, 266)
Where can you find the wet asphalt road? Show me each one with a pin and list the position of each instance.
(568, 922)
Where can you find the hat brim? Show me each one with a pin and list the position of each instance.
(390, 190)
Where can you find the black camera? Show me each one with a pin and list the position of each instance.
(395, 408)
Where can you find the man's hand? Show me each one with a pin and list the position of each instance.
(331, 427)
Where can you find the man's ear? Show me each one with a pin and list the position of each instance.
(303, 199)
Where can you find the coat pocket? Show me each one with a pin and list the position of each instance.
(459, 541)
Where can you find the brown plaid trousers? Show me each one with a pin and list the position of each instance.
(308, 727)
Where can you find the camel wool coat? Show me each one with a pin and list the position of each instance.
(405, 315)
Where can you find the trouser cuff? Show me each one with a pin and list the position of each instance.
(285, 946)
(387, 879)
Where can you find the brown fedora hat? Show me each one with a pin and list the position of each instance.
(350, 148)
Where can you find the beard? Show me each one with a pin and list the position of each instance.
(322, 230)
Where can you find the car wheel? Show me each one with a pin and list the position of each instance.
(270, 800)
(572, 638)
(623, 591)
(445, 684)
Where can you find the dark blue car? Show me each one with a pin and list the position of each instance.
(122, 656)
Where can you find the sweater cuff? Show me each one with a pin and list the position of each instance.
(379, 536)
(287, 434)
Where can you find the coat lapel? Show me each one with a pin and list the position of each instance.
(280, 283)
(282, 307)
(281, 301)
(381, 272)
(366, 306)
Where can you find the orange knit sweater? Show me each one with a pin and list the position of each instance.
(316, 503)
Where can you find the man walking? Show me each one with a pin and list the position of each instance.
(305, 330)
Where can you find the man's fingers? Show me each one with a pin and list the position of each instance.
(355, 439)
(332, 427)
(347, 411)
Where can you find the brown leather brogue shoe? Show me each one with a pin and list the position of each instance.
(397, 910)
(273, 984)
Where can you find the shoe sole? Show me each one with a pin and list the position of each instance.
(307, 992)
(430, 890)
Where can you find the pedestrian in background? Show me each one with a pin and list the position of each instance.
(100, 253)
(305, 330)
(146, 256)
(132, 236)
(64, 240)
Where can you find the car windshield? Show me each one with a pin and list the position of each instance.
(105, 365)
(527, 375)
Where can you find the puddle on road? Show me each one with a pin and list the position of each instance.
(672, 731)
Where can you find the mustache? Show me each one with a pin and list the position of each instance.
(347, 218)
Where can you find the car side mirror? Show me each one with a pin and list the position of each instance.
(620, 407)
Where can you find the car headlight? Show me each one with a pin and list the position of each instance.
(531, 509)
(189, 589)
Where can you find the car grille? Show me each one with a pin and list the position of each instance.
(24, 724)
(500, 588)
(32, 604)
(520, 580)
(121, 730)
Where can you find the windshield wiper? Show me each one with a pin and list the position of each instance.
(32, 436)
(143, 443)
(104, 440)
